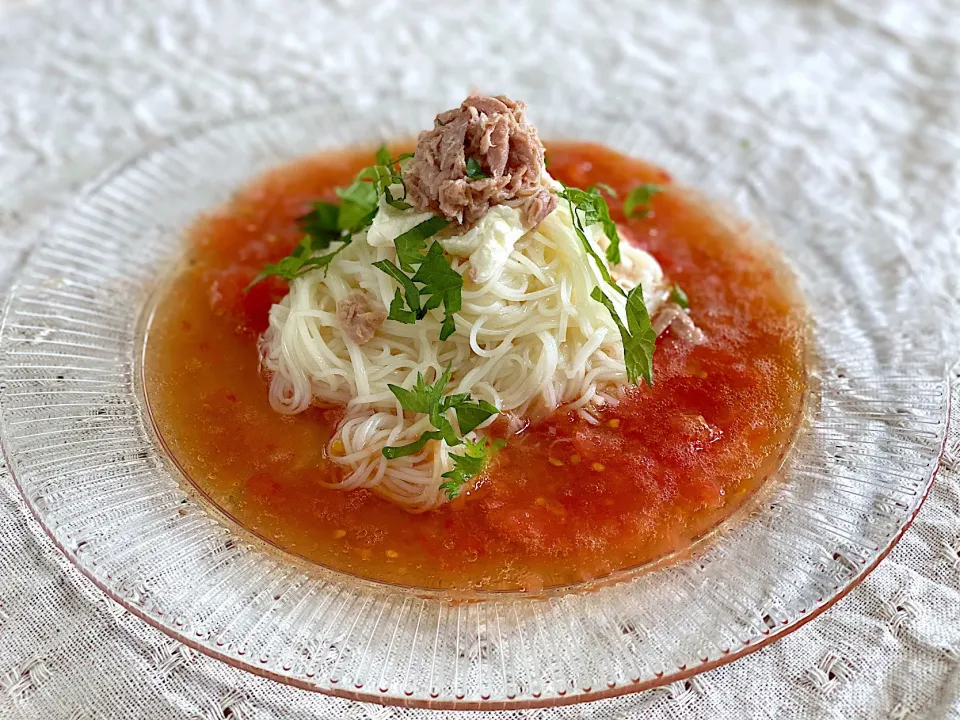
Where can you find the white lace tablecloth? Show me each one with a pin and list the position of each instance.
(865, 91)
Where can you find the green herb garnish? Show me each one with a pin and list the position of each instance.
(638, 337)
(438, 282)
(393, 202)
(358, 203)
(474, 170)
(423, 397)
(399, 451)
(322, 224)
(411, 244)
(605, 188)
(428, 399)
(678, 296)
(572, 196)
(299, 261)
(397, 311)
(441, 284)
(410, 292)
(328, 222)
(393, 165)
(639, 201)
(469, 465)
(591, 203)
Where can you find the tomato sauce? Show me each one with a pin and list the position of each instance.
(565, 501)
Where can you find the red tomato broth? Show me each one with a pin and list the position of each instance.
(564, 501)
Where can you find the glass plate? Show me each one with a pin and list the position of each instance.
(79, 442)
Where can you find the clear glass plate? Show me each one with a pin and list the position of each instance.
(79, 442)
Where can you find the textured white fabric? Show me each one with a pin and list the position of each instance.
(865, 92)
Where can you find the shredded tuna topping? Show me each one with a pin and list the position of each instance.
(506, 164)
(358, 318)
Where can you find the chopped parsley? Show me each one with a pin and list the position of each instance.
(605, 188)
(638, 337)
(474, 170)
(410, 293)
(591, 204)
(358, 203)
(329, 222)
(469, 465)
(398, 312)
(299, 261)
(428, 399)
(678, 296)
(587, 208)
(574, 197)
(639, 201)
(393, 165)
(322, 224)
(438, 282)
(424, 397)
(441, 284)
(411, 244)
(398, 451)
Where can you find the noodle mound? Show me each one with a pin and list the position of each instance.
(528, 337)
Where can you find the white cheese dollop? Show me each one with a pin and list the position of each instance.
(389, 222)
(489, 243)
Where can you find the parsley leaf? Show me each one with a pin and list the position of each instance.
(398, 451)
(448, 327)
(605, 188)
(639, 340)
(423, 398)
(358, 204)
(412, 243)
(427, 398)
(287, 268)
(590, 202)
(441, 283)
(574, 196)
(322, 261)
(299, 261)
(469, 465)
(328, 223)
(470, 417)
(474, 170)
(410, 291)
(387, 173)
(393, 202)
(397, 311)
(678, 296)
(322, 224)
(639, 201)
(444, 427)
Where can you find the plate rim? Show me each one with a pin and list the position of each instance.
(202, 128)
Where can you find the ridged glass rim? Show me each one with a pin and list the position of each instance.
(679, 160)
